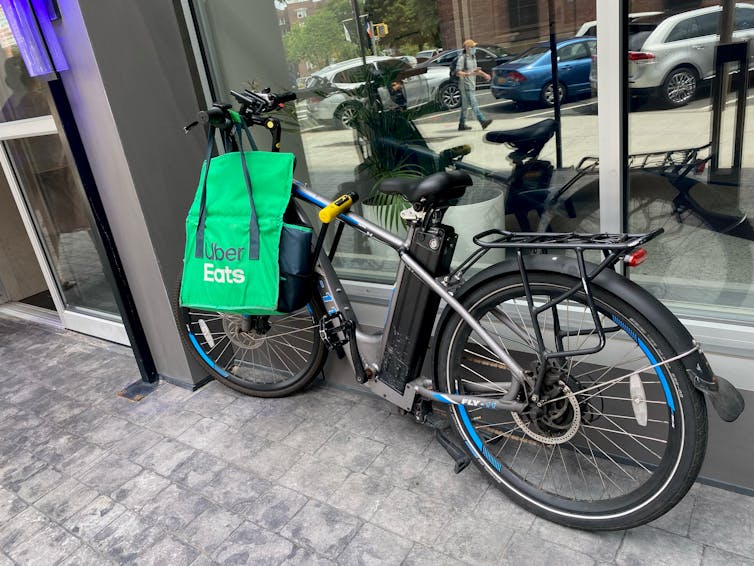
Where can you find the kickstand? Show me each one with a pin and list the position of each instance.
(460, 457)
(442, 424)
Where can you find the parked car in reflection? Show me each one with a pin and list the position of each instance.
(487, 57)
(529, 77)
(590, 28)
(668, 56)
(335, 93)
(427, 54)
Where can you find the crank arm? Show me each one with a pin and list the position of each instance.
(472, 401)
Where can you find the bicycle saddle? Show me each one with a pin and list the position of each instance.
(435, 189)
(524, 138)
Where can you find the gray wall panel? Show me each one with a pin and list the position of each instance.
(131, 90)
(730, 458)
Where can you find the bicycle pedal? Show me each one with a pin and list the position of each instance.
(460, 457)
(334, 331)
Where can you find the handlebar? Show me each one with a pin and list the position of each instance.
(253, 105)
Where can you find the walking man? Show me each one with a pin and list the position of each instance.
(467, 71)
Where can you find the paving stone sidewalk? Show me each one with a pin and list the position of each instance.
(329, 476)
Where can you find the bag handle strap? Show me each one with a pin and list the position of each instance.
(253, 221)
(199, 249)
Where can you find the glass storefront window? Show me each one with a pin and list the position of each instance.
(376, 99)
(699, 189)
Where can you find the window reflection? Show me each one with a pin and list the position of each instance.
(697, 189)
(373, 105)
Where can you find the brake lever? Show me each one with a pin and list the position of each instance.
(187, 128)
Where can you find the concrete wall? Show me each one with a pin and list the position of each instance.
(131, 90)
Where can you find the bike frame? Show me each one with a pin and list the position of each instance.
(372, 347)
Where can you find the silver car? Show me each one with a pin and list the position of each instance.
(337, 97)
(669, 57)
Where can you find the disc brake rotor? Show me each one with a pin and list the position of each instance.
(248, 340)
(532, 430)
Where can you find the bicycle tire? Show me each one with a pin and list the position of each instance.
(613, 472)
(672, 270)
(221, 348)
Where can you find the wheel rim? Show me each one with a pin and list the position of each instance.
(612, 465)
(265, 359)
(450, 96)
(550, 94)
(348, 116)
(681, 87)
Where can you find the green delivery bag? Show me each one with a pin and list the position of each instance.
(233, 231)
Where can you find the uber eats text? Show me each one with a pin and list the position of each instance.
(213, 274)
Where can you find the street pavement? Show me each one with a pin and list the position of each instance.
(328, 476)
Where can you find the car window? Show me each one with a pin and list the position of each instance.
(636, 40)
(744, 19)
(685, 29)
(392, 66)
(447, 57)
(573, 52)
(709, 24)
(591, 31)
(497, 51)
(532, 54)
(700, 26)
(356, 74)
(484, 55)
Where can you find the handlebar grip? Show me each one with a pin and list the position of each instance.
(338, 206)
(458, 151)
(284, 97)
(214, 116)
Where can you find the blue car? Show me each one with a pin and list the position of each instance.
(528, 78)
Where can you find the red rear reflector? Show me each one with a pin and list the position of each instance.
(700, 167)
(636, 257)
(639, 56)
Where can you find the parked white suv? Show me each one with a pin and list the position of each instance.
(335, 95)
(669, 56)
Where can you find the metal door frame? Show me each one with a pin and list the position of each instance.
(77, 321)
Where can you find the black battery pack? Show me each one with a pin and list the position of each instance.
(416, 307)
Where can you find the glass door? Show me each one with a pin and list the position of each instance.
(41, 173)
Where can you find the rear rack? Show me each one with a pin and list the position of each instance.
(569, 240)
(669, 162)
(612, 246)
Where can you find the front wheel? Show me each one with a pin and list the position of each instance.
(449, 96)
(613, 443)
(679, 87)
(264, 356)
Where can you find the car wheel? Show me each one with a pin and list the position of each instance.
(679, 87)
(547, 96)
(346, 114)
(449, 96)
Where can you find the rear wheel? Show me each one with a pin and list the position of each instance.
(277, 355)
(547, 96)
(346, 115)
(614, 442)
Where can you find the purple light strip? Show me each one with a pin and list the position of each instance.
(35, 51)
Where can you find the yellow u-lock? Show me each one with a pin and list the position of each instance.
(338, 206)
